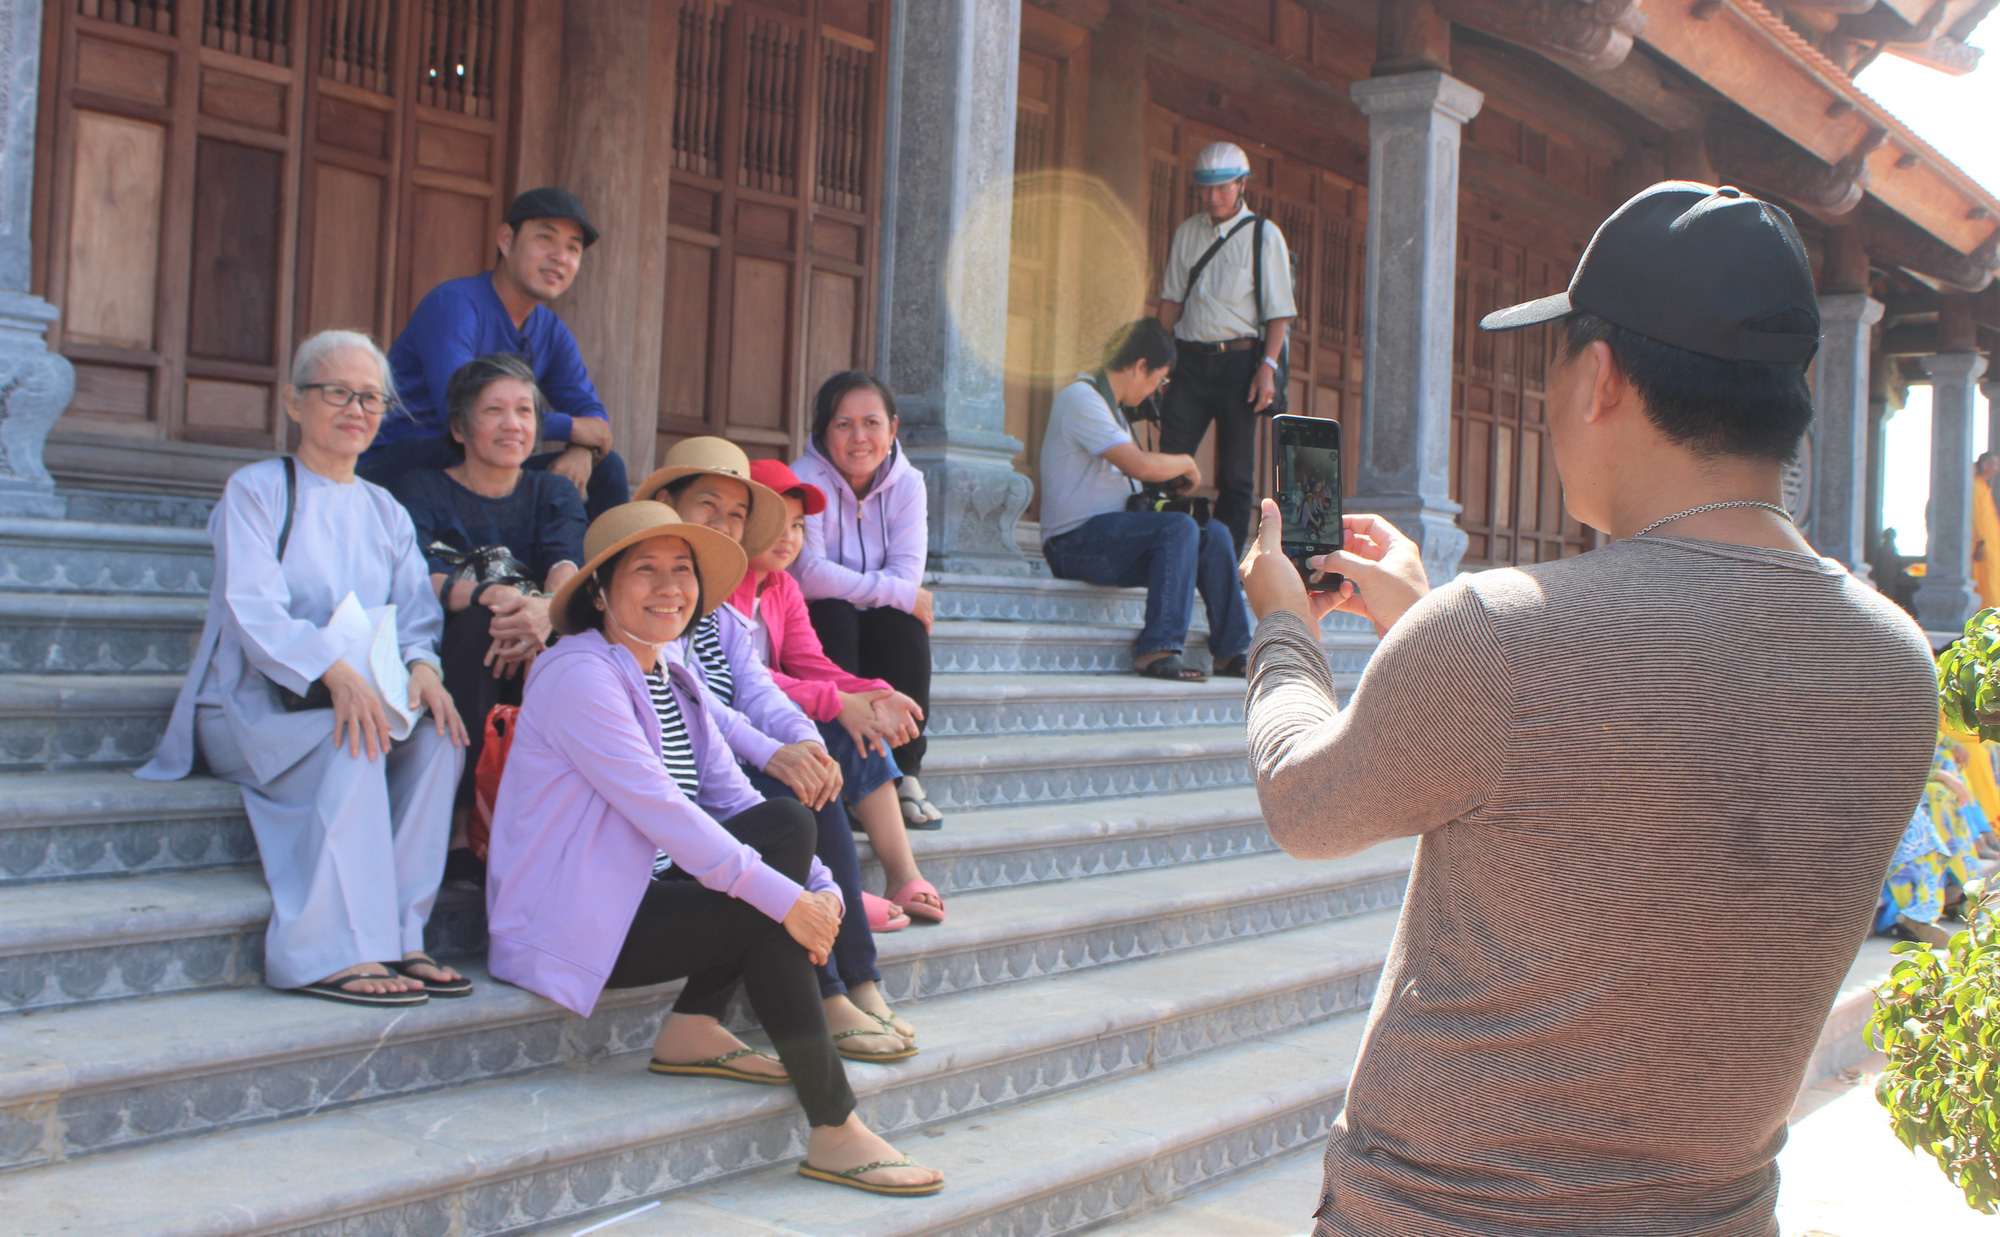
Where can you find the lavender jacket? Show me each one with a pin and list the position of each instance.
(869, 551)
(584, 805)
(764, 718)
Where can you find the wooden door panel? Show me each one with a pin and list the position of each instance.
(114, 230)
(141, 74)
(233, 289)
(684, 386)
(831, 317)
(347, 237)
(759, 331)
(229, 409)
(114, 391)
(448, 240)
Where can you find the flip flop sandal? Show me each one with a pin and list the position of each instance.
(918, 811)
(1171, 668)
(889, 1025)
(884, 915)
(433, 987)
(899, 1055)
(718, 1067)
(333, 990)
(851, 1178)
(905, 898)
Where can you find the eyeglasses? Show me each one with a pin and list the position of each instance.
(373, 403)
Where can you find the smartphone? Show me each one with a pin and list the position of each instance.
(1307, 457)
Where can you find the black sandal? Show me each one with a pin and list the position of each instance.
(1237, 667)
(433, 987)
(1171, 668)
(337, 990)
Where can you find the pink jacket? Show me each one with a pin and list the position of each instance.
(799, 664)
(583, 807)
(869, 551)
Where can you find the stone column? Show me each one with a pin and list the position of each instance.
(35, 384)
(1991, 390)
(1403, 459)
(1946, 598)
(1839, 525)
(943, 316)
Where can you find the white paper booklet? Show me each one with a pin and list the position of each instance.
(374, 649)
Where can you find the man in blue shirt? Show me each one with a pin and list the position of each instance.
(507, 310)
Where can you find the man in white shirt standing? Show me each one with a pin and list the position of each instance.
(1090, 470)
(1228, 343)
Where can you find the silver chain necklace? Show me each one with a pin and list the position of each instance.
(1740, 502)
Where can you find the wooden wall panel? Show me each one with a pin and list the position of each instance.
(229, 408)
(759, 330)
(347, 237)
(114, 391)
(448, 239)
(233, 287)
(114, 230)
(832, 313)
(684, 383)
(141, 74)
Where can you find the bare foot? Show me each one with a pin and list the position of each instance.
(841, 1015)
(372, 979)
(837, 1148)
(687, 1038)
(868, 999)
(428, 969)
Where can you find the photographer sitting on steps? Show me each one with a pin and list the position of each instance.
(1091, 471)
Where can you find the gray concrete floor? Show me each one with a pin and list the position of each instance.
(1845, 1175)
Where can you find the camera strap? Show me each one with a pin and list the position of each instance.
(1102, 382)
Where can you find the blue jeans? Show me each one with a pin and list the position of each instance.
(853, 958)
(861, 775)
(1173, 557)
(382, 464)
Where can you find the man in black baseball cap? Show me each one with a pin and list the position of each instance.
(1657, 785)
(539, 251)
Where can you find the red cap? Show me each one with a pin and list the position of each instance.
(778, 475)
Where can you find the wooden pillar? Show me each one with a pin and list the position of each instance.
(1687, 157)
(1411, 36)
(615, 153)
(1116, 141)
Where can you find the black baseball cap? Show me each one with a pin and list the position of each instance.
(550, 202)
(1703, 269)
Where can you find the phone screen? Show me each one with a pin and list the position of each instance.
(1309, 495)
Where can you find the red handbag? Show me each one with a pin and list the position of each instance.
(486, 775)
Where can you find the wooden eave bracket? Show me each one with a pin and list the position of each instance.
(1595, 35)
(1750, 56)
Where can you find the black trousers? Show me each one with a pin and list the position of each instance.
(462, 653)
(882, 643)
(1216, 387)
(683, 929)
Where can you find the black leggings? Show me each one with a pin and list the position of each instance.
(685, 929)
(473, 688)
(882, 643)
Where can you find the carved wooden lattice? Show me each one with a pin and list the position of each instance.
(1161, 220)
(1336, 279)
(259, 29)
(356, 49)
(156, 15)
(698, 89)
(456, 40)
(845, 71)
(1295, 220)
(770, 106)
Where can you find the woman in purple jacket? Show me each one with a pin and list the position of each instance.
(629, 850)
(862, 567)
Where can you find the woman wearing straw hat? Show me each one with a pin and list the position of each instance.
(707, 481)
(628, 849)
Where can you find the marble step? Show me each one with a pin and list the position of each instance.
(82, 721)
(511, 1153)
(1062, 768)
(88, 633)
(1067, 1164)
(77, 556)
(984, 705)
(66, 825)
(70, 943)
(1046, 600)
(92, 1079)
(997, 848)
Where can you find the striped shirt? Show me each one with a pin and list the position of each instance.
(709, 658)
(676, 748)
(1658, 786)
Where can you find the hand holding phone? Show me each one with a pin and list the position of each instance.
(1307, 489)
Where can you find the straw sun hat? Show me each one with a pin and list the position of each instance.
(718, 457)
(719, 563)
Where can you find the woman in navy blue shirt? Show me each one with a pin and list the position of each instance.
(499, 539)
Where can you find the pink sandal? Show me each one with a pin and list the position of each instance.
(884, 915)
(906, 898)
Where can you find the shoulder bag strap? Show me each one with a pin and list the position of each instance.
(291, 504)
(1102, 382)
(1201, 263)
